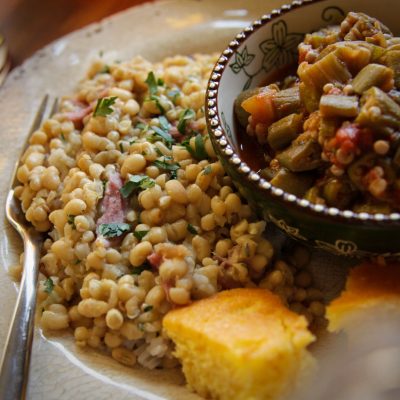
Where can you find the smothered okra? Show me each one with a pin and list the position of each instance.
(331, 133)
(140, 215)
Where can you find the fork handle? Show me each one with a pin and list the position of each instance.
(15, 362)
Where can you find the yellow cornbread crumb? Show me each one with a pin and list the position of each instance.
(240, 344)
(371, 291)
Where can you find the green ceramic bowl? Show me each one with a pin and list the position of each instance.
(267, 45)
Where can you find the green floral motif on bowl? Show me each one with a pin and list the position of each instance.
(278, 51)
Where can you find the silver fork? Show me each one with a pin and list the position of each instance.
(14, 368)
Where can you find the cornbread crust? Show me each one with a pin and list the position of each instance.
(240, 344)
(369, 287)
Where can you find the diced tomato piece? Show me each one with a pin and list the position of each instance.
(349, 137)
(335, 90)
(303, 50)
(261, 107)
(366, 139)
(348, 146)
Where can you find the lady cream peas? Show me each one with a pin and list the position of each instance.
(140, 215)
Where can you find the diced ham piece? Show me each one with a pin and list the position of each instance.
(173, 131)
(143, 120)
(103, 93)
(166, 285)
(155, 260)
(228, 282)
(303, 50)
(113, 205)
(77, 116)
(195, 125)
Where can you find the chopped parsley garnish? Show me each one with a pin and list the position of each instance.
(166, 166)
(136, 182)
(104, 182)
(147, 308)
(103, 106)
(105, 70)
(77, 261)
(48, 285)
(164, 123)
(199, 152)
(62, 137)
(174, 94)
(207, 170)
(156, 99)
(140, 269)
(152, 138)
(71, 221)
(186, 143)
(151, 83)
(121, 147)
(164, 135)
(187, 115)
(173, 175)
(142, 126)
(114, 229)
(140, 234)
(191, 229)
(172, 168)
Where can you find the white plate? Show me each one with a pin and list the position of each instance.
(58, 369)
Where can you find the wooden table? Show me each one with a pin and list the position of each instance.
(28, 25)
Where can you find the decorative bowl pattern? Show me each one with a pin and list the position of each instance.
(266, 45)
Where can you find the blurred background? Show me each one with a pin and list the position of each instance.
(28, 25)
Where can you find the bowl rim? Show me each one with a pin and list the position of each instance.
(215, 128)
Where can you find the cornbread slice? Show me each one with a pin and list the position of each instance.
(372, 291)
(240, 344)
